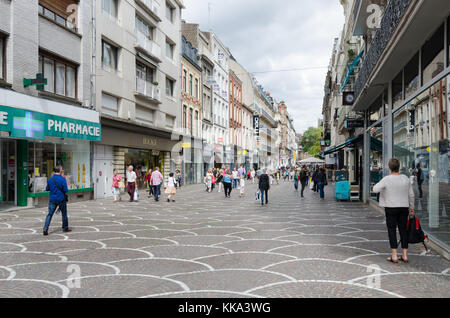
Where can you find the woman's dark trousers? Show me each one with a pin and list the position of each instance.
(397, 217)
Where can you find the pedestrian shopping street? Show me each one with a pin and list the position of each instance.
(207, 246)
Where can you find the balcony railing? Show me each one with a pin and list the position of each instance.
(148, 45)
(392, 16)
(153, 6)
(148, 89)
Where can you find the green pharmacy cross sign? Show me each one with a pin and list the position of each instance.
(39, 81)
(28, 127)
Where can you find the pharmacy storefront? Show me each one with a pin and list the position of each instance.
(33, 142)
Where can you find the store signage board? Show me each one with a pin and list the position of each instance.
(354, 124)
(21, 123)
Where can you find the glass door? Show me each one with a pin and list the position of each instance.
(8, 175)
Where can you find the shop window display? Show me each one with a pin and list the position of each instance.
(73, 156)
(423, 149)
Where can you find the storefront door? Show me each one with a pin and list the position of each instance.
(8, 175)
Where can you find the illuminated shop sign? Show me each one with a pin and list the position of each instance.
(21, 123)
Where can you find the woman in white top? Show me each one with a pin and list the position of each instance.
(170, 189)
(397, 197)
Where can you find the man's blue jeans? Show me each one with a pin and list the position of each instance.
(157, 191)
(264, 196)
(235, 182)
(52, 206)
(320, 186)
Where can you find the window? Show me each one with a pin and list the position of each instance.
(61, 75)
(191, 115)
(110, 8)
(397, 90)
(412, 76)
(184, 80)
(144, 72)
(190, 84)
(58, 11)
(2, 56)
(110, 105)
(433, 56)
(144, 28)
(184, 119)
(170, 12)
(109, 56)
(169, 50)
(196, 88)
(196, 124)
(170, 84)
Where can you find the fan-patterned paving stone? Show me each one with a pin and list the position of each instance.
(214, 246)
(331, 252)
(199, 295)
(264, 235)
(104, 255)
(9, 247)
(184, 251)
(13, 258)
(417, 263)
(123, 286)
(159, 266)
(162, 233)
(30, 289)
(243, 260)
(256, 245)
(56, 271)
(135, 243)
(319, 290)
(320, 270)
(416, 285)
(48, 246)
(226, 280)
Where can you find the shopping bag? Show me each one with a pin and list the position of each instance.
(257, 194)
(136, 195)
(311, 185)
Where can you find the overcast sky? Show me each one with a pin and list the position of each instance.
(269, 35)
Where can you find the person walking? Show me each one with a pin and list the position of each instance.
(208, 180)
(264, 186)
(253, 174)
(147, 181)
(156, 180)
(242, 186)
(296, 180)
(419, 178)
(241, 171)
(321, 182)
(57, 185)
(131, 182)
(235, 174)
(227, 180)
(314, 180)
(170, 189)
(115, 186)
(219, 181)
(397, 198)
(304, 176)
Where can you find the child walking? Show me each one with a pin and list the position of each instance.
(171, 190)
(242, 186)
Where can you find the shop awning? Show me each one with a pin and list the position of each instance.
(342, 146)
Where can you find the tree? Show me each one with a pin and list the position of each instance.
(311, 140)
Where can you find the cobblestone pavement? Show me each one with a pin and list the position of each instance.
(205, 245)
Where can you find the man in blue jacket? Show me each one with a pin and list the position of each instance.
(57, 185)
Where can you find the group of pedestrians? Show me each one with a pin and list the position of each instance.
(228, 180)
(396, 194)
